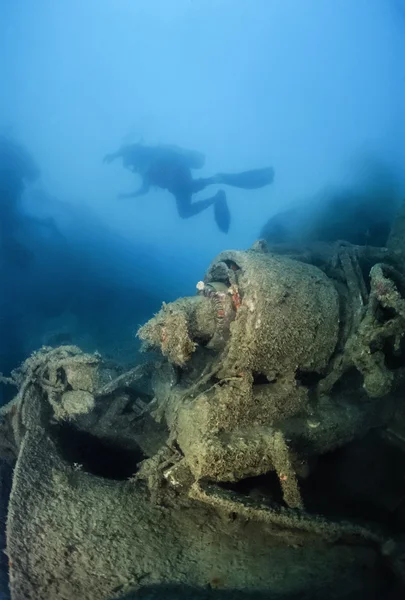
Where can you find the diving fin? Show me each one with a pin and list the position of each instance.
(247, 180)
(221, 212)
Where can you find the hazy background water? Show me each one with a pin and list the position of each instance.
(307, 87)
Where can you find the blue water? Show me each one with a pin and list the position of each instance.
(314, 90)
(308, 88)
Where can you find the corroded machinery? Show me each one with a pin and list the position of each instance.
(260, 451)
(268, 341)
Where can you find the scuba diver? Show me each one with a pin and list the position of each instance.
(169, 167)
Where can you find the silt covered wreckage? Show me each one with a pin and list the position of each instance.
(259, 453)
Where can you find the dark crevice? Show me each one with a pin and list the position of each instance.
(61, 376)
(201, 342)
(261, 379)
(232, 265)
(261, 487)
(362, 480)
(307, 378)
(352, 380)
(394, 356)
(94, 455)
(128, 409)
(384, 314)
(177, 448)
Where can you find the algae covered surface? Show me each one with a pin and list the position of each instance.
(258, 453)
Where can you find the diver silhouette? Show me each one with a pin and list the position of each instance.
(169, 167)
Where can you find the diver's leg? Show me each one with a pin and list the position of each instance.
(186, 208)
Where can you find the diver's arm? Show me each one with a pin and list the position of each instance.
(144, 189)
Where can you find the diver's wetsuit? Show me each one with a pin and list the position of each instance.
(169, 168)
(171, 174)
